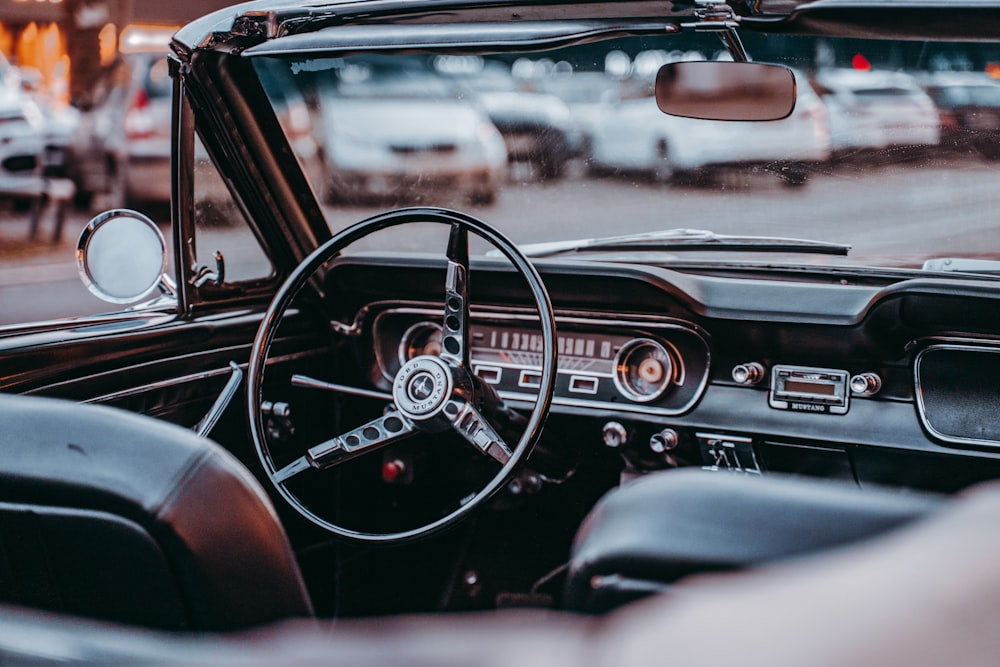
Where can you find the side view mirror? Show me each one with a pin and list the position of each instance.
(122, 257)
(714, 90)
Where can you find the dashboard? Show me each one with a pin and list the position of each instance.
(875, 379)
(634, 366)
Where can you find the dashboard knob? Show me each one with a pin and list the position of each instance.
(748, 374)
(664, 441)
(866, 384)
(614, 435)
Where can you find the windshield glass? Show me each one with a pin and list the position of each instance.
(569, 144)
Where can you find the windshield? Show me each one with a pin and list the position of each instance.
(569, 144)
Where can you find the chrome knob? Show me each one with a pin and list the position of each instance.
(664, 441)
(866, 384)
(614, 435)
(748, 374)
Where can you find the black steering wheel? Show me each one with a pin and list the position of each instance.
(430, 394)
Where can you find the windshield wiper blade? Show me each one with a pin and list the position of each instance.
(682, 240)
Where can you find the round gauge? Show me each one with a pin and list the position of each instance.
(643, 370)
(420, 339)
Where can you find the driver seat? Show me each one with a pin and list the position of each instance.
(116, 516)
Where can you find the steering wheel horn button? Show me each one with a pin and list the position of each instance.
(422, 387)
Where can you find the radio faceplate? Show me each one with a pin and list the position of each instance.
(806, 389)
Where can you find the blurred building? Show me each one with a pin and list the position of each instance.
(64, 43)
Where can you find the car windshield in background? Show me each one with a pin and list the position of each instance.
(888, 150)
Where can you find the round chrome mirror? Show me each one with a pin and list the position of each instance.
(121, 256)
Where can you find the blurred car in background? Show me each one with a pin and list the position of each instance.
(397, 131)
(537, 128)
(635, 136)
(968, 106)
(24, 135)
(874, 110)
(584, 94)
(121, 151)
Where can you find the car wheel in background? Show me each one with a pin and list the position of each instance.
(551, 156)
(486, 197)
(793, 175)
(663, 169)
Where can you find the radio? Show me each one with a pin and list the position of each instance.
(809, 389)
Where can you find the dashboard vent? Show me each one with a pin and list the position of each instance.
(958, 393)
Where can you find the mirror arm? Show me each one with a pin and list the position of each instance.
(734, 45)
(168, 286)
(718, 17)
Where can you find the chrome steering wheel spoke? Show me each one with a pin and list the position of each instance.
(469, 423)
(455, 333)
(387, 429)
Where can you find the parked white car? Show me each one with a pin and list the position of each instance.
(23, 134)
(636, 136)
(398, 133)
(584, 94)
(872, 109)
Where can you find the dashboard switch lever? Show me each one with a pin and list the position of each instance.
(748, 374)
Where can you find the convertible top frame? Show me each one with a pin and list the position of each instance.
(250, 24)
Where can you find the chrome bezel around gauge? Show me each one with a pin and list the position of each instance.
(625, 363)
(410, 335)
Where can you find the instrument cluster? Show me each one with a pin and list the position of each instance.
(641, 366)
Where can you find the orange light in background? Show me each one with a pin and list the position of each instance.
(993, 69)
(6, 39)
(107, 44)
(859, 62)
(43, 49)
(25, 51)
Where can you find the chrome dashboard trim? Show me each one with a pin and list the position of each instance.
(502, 314)
(960, 344)
(183, 379)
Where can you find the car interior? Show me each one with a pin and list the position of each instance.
(483, 436)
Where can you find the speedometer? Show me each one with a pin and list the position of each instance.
(420, 339)
(643, 370)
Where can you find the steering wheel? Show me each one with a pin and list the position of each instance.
(430, 394)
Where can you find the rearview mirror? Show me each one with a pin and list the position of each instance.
(725, 90)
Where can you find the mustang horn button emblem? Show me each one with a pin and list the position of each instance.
(422, 387)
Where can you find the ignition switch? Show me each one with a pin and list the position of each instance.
(614, 435)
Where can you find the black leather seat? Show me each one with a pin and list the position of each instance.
(111, 515)
(646, 534)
